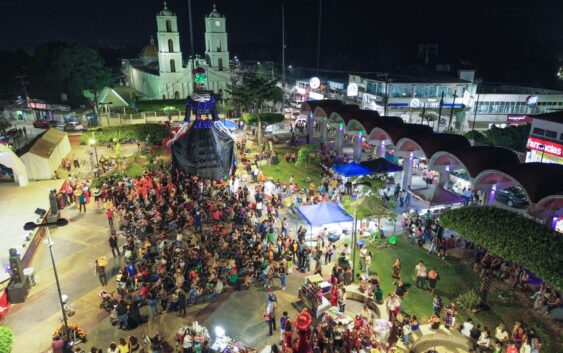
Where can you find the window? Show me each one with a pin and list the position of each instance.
(170, 45)
(561, 136)
(172, 65)
(168, 26)
(550, 134)
(220, 64)
(538, 131)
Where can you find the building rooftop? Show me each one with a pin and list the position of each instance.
(555, 117)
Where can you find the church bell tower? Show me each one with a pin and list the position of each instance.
(216, 46)
(169, 53)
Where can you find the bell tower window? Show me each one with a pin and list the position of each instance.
(170, 45)
(172, 65)
(168, 26)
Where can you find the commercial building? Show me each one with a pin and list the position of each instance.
(545, 143)
(475, 105)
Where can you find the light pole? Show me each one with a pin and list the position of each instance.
(59, 222)
(542, 152)
(92, 143)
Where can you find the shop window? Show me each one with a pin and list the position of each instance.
(550, 134)
(561, 136)
(538, 131)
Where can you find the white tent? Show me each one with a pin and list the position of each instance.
(10, 160)
(44, 156)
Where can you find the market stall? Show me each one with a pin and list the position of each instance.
(312, 293)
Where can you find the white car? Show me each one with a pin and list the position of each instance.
(73, 126)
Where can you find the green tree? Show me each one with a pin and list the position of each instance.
(267, 118)
(512, 137)
(78, 68)
(4, 124)
(251, 94)
(6, 339)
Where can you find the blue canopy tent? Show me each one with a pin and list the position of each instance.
(381, 165)
(351, 170)
(229, 124)
(324, 213)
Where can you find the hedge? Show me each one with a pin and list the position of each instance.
(6, 339)
(156, 132)
(513, 237)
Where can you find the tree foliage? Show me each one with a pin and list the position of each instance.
(268, 118)
(58, 68)
(477, 137)
(512, 237)
(303, 155)
(253, 92)
(512, 137)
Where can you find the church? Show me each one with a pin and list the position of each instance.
(160, 71)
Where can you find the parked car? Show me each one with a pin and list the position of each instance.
(73, 126)
(44, 124)
(513, 197)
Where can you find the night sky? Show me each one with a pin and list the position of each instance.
(356, 34)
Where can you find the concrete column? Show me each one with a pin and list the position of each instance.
(491, 194)
(324, 130)
(382, 149)
(358, 147)
(444, 177)
(311, 127)
(339, 138)
(407, 171)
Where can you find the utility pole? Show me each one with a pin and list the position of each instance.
(452, 112)
(283, 57)
(440, 112)
(192, 54)
(319, 35)
(27, 98)
(475, 112)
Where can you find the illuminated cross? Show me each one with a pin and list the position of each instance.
(165, 4)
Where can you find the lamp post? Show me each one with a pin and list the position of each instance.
(59, 222)
(92, 143)
(542, 152)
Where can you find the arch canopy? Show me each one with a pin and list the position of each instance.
(474, 159)
(537, 180)
(428, 144)
(309, 106)
(12, 161)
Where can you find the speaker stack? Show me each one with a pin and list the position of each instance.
(19, 287)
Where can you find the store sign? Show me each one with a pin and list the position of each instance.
(548, 147)
(35, 105)
(315, 83)
(415, 103)
(532, 101)
(335, 85)
(518, 118)
(352, 90)
(315, 95)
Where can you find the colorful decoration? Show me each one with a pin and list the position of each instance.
(73, 329)
(303, 321)
(200, 76)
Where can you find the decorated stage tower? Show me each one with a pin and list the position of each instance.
(203, 147)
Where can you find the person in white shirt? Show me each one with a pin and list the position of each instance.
(500, 334)
(484, 341)
(466, 328)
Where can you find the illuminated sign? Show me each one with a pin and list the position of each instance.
(518, 118)
(548, 147)
(314, 82)
(532, 101)
(415, 103)
(315, 95)
(352, 90)
(335, 85)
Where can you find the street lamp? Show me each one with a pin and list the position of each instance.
(60, 223)
(92, 143)
(542, 152)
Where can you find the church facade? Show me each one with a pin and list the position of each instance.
(160, 71)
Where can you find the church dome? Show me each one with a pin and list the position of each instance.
(149, 50)
(214, 13)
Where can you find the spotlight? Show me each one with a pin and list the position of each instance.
(219, 331)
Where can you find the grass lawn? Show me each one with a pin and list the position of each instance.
(284, 170)
(455, 279)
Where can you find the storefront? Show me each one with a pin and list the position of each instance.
(544, 151)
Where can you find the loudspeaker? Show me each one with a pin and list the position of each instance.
(16, 266)
(17, 292)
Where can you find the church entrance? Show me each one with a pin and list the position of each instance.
(176, 95)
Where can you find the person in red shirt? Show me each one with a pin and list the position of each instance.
(57, 345)
(109, 215)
